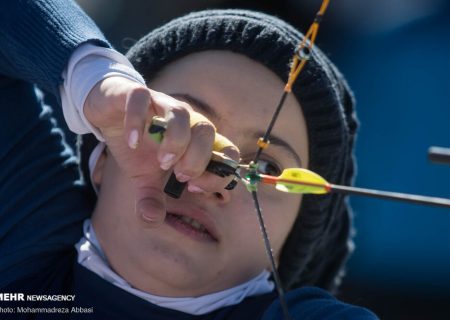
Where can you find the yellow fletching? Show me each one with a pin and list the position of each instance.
(299, 180)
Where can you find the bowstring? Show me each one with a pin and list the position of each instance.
(301, 56)
(269, 253)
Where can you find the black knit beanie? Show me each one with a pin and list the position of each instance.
(320, 241)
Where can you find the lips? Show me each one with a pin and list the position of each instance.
(194, 224)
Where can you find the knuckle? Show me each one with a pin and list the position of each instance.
(174, 146)
(140, 91)
(204, 130)
(232, 151)
(181, 113)
(185, 106)
(138, 100)
(188, 169)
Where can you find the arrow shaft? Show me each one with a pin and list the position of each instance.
(441, 202)
(406, 197)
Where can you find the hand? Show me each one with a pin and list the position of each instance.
(122, 110)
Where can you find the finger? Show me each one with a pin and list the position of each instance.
(209, 182)
(136, 110)
(177, 133)
(150, 202)
(163, 103)
(198, 153)
(224, 145)
(176, 137)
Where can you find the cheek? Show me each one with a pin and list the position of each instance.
(242, 219)
(280, 211)
(242, 206)
(118, 189)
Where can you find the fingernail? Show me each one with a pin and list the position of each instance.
(195, 189)
(166, 161)
(133, 139)
(151, 211)
(182, 177)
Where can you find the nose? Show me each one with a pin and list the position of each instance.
(212, 187)
(223, 196)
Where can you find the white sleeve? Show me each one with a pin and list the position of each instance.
(88, 65)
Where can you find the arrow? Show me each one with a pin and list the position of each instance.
(299, 180)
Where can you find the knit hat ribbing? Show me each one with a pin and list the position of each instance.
(319, 242)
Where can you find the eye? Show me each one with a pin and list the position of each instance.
(268, 167)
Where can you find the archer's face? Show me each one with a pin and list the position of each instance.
(178, 258)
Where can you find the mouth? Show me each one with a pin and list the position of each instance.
(190, 227)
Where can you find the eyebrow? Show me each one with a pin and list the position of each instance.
(206, 109)
(277, 141)
(199, 104)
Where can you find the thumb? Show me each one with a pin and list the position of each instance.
(150, 203)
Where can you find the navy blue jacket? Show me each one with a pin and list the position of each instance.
(43, 203)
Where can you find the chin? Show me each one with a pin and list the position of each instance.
(167, 269)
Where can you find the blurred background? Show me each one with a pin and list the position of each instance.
(395, 55)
